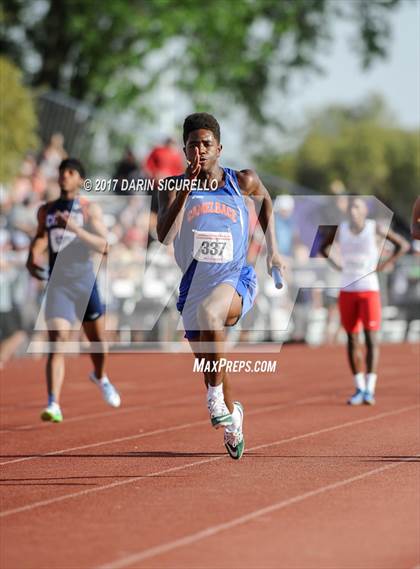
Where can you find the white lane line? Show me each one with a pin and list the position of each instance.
(73, 419)
(160, 431)
(118, 483)
(160, 403)
(5, 429)
(348, 424)
(213, 530)
(114, 412)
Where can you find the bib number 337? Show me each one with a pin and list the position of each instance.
(213, 246)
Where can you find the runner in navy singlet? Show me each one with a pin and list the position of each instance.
(209, 229)
(71, 229)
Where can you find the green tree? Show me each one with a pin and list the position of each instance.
(18, 120)
(362, 146)
(100, 52)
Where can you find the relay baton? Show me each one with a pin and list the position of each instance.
(278, 281)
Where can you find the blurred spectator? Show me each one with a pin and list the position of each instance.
(337, 188)
(52, 155)
(165, 160)
(12, 335)
(22, 215)
(126, 166)
(305, 297)
(135, 240)
(135, 205)
(284, 224)
(22, 187)
(127, 169)
(404, 284)
(51, 192)
(29, 166)
(336, 212)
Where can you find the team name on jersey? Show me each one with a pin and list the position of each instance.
(51, 219)
(212, 207)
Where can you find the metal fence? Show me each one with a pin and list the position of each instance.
(72, 118)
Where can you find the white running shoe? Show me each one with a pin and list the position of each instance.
(110, 394)
(234, 439)
(356, 398)
(369, 398)
(219, 413)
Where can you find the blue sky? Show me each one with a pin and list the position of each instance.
(396, 78)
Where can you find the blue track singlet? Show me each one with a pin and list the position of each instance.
(211, 248)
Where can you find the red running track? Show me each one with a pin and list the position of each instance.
(322, 485)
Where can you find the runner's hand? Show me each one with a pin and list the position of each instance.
(275, 260)
(67, 221)
(194, 167)
(35, 270)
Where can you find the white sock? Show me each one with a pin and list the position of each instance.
(371, 382)
(236, 419)
(359, 381)
(215, 392)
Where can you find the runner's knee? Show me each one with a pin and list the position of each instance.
(58, 335)
(99, 344)
(208, 318)
(353, 341)
(371, 339)
(58, 341)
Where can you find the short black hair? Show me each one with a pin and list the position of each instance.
(73, 164)
(201, 120)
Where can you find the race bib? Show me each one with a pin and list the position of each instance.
(213, 246)
(60, 238)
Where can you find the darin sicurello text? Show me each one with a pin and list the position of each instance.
(168, 185)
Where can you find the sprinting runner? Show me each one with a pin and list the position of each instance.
(360, 301)
(209, 229)
(71, 229)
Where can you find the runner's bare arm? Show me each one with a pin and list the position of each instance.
(98, 228)
(401, 246)
(251, 185)
(415, 220)
(38, 246)
(96, 220)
